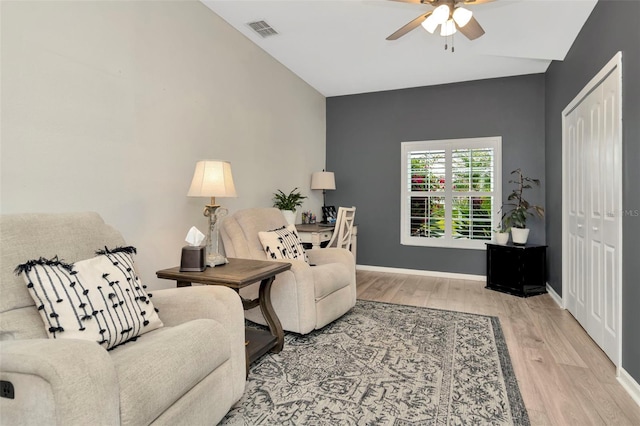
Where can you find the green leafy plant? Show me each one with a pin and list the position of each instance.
(502, 226)
(289, 201)
(502, 223)
(517, 212)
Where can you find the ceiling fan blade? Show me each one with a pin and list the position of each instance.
(418, 1)
(469, 2)
(472, 30)
(410, 26)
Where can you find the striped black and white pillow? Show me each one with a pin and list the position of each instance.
(283, 243)
(99, 299)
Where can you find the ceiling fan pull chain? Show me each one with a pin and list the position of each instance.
(453, 47)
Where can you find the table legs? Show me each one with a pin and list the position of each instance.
(315, 240)
(269, 313)
(239, 274)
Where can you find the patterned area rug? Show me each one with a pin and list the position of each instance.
(384, 364)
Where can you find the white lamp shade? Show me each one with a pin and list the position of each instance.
(441, 14)
(462, 16)
(430, 24)
(212, 178)
(448, 28)
(323, 180)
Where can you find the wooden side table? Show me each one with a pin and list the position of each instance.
(516, 269)
(237, 274)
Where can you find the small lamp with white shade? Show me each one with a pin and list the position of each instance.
(323, 180)
(213, 178)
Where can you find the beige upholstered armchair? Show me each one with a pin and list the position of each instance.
(305, 298)
(190, 371)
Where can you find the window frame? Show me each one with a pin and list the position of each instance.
(448, 145)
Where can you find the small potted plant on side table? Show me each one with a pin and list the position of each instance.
(520, 209)
(288, 203)
(502, 232)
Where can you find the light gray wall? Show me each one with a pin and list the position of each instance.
(612, 27)
(107, 106)
(364, 133)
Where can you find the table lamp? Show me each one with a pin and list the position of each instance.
(212, 178)
(323, 180)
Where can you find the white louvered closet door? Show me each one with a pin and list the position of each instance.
(592, 184)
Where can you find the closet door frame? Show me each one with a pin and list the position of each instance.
(615, 62)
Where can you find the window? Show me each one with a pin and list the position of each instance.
(451, 192)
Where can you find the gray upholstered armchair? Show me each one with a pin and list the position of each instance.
(190, 371)
(306, 297)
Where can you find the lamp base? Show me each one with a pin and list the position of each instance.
(216, 259)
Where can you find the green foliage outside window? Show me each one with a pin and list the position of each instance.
(472, 171)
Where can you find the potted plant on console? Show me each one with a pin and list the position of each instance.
(519, 208)
(288, 203)
(502, 232)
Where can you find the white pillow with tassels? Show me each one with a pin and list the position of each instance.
(283, 243)
(99, 299)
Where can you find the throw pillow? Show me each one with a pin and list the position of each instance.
(283, 243)
(99, 299)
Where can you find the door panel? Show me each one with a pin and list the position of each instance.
(611, 221)
(594, 318)
(572, 150)
(582, 194)
(593, 218)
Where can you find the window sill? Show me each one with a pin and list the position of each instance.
(439, 243)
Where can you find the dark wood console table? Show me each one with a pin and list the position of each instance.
(237, 274)
(520, 270)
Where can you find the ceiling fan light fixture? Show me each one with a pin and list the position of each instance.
(441, 14)
(448, 28)
(447, 15)
(430, 24)
(462, 16)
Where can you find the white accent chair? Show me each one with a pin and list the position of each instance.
(191, 371)
(306, 297)
(341, 237)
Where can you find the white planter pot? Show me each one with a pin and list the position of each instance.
(502, 238)
(519, 235)
(290, 216)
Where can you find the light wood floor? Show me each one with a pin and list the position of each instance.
(564, 378)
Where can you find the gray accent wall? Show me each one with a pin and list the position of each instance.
(364, 133)
(612, 27)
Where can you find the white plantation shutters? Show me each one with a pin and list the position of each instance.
(472, 171)
(427, 171)
(451, 192)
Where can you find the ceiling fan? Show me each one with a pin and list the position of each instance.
(446, 14)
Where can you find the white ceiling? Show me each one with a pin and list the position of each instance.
(339, 46)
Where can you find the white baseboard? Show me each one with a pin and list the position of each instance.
(438, 274)
(630, 385)
(556, 298)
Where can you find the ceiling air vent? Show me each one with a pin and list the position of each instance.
(262, 28)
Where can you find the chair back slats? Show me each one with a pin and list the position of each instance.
(344, 227)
